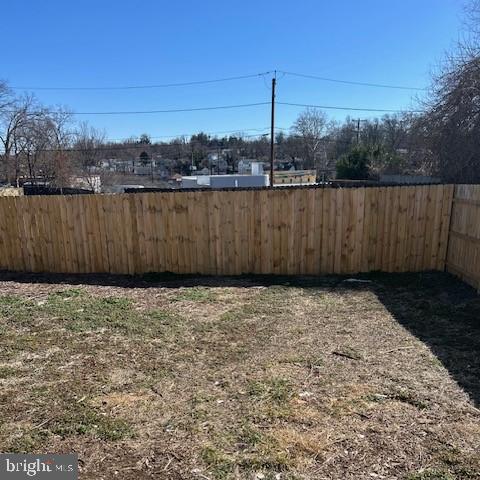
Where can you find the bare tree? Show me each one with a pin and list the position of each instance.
(449, 131)
(58, 162)
(13, 120)
(312, 126)
(395, 131)
(452, 125)
(6, 97)
(88, 153)
(39, 137)
(472, 24)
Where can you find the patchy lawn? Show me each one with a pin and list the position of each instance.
(241, 378)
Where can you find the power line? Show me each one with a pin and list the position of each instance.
(140, 87)
(272, 131)
(356, 109)
(142, 112)
(224, 79)
(226, 107)
(322, 140)
(352, 82)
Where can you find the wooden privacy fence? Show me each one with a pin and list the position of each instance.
(464, 244)
(269, 231)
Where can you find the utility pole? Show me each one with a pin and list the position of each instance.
(358, 131)
(191, 167)
(272, 130)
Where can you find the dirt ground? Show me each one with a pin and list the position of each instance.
(244, 378)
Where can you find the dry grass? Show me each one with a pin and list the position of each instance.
(306, 379)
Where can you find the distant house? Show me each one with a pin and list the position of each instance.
(143, 169)
(245, 166)
(90, 182)
(121, 165)
(162, 167)
(295, 177)
(217, 163)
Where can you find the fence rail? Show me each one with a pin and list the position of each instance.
(464, 244)
(269, 231)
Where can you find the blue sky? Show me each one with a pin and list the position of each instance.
(115, 43)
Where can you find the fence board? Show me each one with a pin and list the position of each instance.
(359, 205)
(5, 239)
(317, 233)
(463, 256)
(370, 229)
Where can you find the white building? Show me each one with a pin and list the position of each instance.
(225, 181)
(256, 179)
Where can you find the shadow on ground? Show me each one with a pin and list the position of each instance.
(438, 309)
(443, 313)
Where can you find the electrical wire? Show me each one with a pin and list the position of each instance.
(226, 107)
(356, 109)
(143, 112)
(352, 82)
(141, 87)
(224, 79)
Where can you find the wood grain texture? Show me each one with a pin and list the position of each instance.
(281, 231)
(463, 255)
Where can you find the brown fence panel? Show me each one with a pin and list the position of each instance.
(463, 257)
(271, 231)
